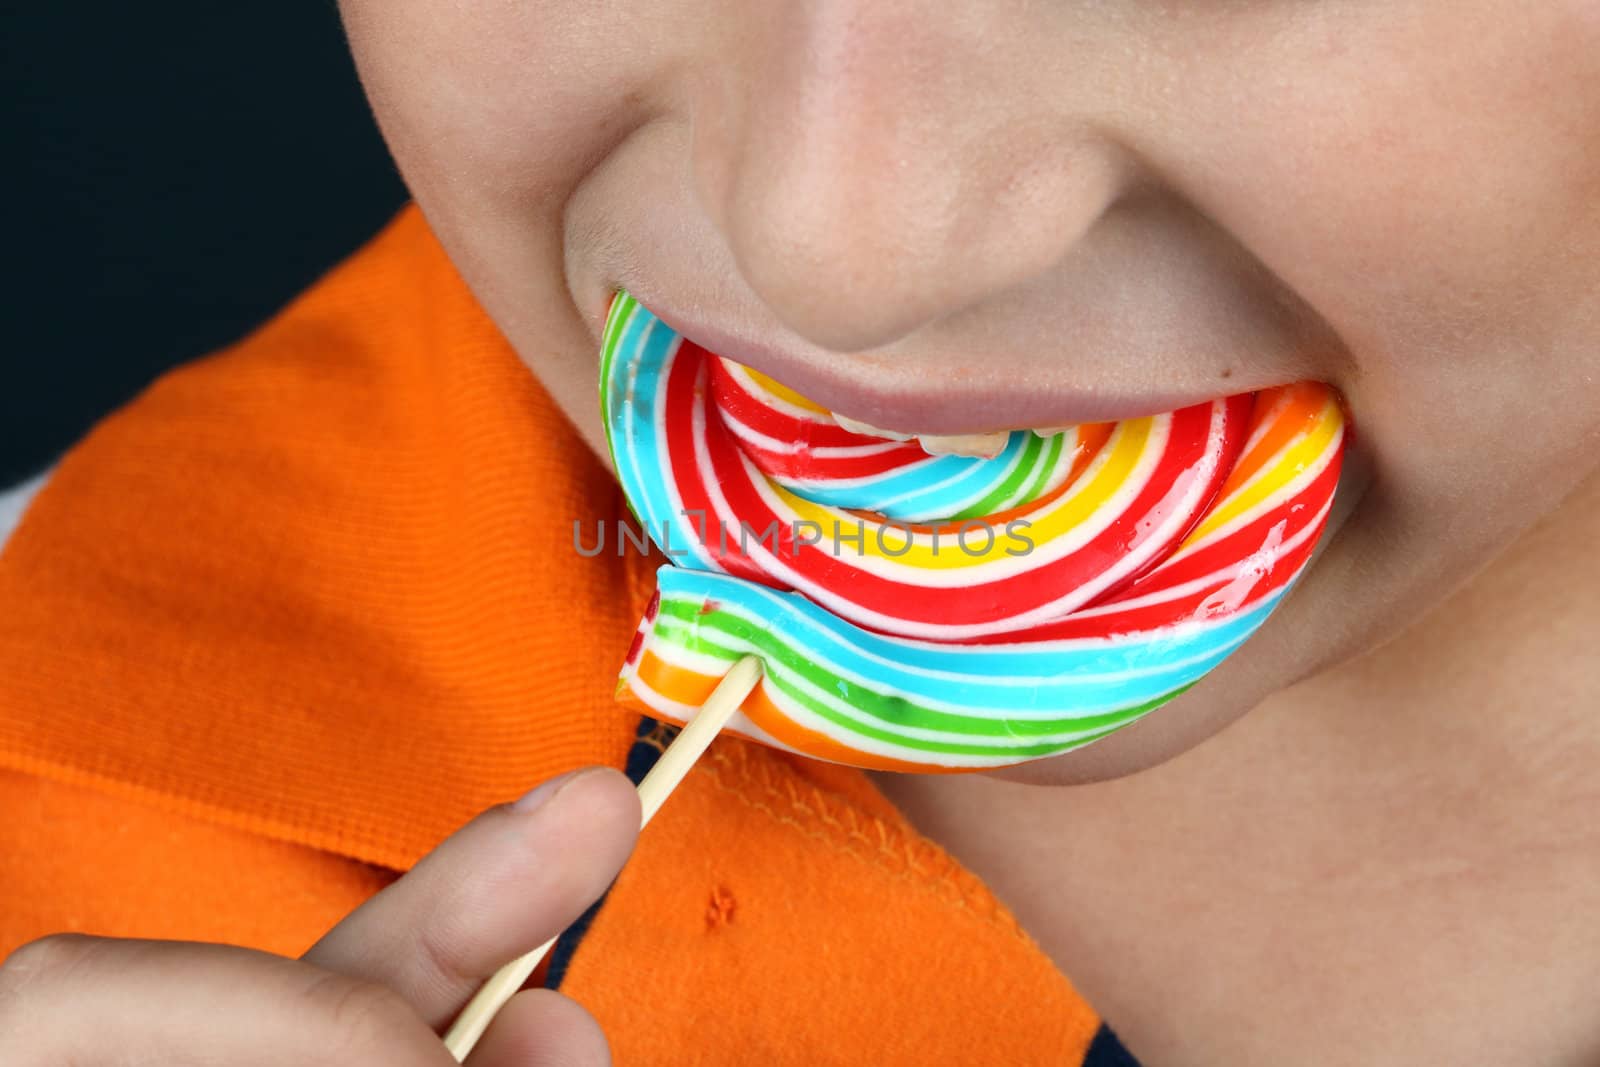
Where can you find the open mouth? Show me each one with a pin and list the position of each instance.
(768, 394)
(956, 411)
(926, 607)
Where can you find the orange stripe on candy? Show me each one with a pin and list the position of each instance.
(689, 687)
(1303, 403)
(674, 682)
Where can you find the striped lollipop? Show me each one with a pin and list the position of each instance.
(935, 613)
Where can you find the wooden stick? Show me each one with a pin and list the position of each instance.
(657, 785)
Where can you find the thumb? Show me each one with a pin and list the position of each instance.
(500, 886)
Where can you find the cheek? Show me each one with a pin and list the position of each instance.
(1427, 182)
(494, 114)
(498, 107)
(1416, 173)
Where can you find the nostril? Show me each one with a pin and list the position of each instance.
(872, 170)
(854, 245)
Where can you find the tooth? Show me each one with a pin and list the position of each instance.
(857, 426)
(982, 445)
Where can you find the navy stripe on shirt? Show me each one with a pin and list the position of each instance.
(648, 742)
(1107, 1051)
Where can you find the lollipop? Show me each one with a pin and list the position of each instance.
(944, 612)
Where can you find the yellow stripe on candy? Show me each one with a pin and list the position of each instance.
(779, 390)
(1295, 458)
(1128, 447)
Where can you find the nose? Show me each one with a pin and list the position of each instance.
(885, 163)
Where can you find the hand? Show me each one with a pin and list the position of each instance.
(378, 989)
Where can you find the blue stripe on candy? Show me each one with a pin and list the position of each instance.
(945, 485)
(643, 357)
(1057, 678)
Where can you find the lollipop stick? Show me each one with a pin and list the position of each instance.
(657, 785)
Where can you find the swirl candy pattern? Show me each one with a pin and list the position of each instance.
(948, 613)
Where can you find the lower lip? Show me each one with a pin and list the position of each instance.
(969, 409)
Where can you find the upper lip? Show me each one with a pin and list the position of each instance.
(895, 393)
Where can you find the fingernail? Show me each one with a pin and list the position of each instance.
(543, 794)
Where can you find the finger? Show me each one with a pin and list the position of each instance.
(70, 999)
(542, 1028)
(505, 883)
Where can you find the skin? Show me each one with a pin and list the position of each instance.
(1121, 199)
(1117, 202)
(1118, 199)
(380, 987)
(1396, 861)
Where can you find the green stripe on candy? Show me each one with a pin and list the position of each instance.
(1046, 468)
(681, 622)
(780, 681)
(1021, 473)
(622, 310)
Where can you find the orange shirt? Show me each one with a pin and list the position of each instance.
(283, 623)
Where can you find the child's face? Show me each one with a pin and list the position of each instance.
(1028, 214)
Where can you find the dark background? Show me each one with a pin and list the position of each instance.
(172, 175)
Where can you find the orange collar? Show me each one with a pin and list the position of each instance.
(322, 587)
(322, 584)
